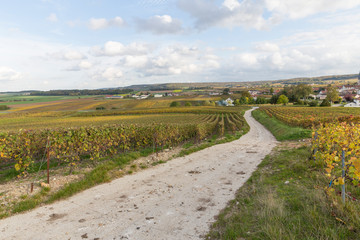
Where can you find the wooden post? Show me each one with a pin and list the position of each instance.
(48, 161)
(315, 150)
(343, 176)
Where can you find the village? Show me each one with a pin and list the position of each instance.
(348, 94)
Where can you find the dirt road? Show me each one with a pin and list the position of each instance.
(175, 200)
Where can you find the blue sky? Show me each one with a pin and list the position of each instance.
(63, 44)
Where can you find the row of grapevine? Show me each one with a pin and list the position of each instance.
(70, 145)
(337, 145)
(308, 117)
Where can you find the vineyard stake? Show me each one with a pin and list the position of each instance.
(48, 162)
(31, 187)
(343, 176)
(315, 150)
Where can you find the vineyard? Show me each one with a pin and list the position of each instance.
(335, 140)
(70, 137)
(307, 117)
(337, 147)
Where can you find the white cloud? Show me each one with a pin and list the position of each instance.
(83, 65)
(267, 47)
(173, 60)
(9, 74)
(52, 17)
(102, 23)
(113, 48)
(251, 13)
(295, 9)
(112, 74)
(67, 55)
(136, 61)
(160, 25)
(107, 74)
(321, 52)
(230, 14)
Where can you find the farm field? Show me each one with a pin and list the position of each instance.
(89, 103)
(8, 99)
(307, 117)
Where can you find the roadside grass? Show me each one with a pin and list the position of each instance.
(280, 130)
(285, 198)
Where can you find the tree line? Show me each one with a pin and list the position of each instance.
(81, 92)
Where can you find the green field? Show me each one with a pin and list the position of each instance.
(8, 99)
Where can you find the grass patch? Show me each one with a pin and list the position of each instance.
(190, 148)
(269, 207)
(158, 162)
(280, 130)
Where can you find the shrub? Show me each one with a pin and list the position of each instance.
(4, 107)
(174, 104)
(313, 103)
(188, 104)
(325, 103)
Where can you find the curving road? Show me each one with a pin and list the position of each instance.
(175, 200)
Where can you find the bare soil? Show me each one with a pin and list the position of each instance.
(175, 200)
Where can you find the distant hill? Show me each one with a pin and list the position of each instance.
(322, 80)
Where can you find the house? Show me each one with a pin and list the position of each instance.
(227, 103)
(114, 97)
(158, 95)
(230, 102)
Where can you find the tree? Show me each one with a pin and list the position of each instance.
(303, 91)
(226, 91)
(174, 104)
(207, 103)
(313, 103)
(260, 100)
(274, 99)
(245, 94)
(348, 97)
(332, 94)
(236, 102)
(188, 104)
(282, 100)
(251, 100)
(271, 91)
(325, 103)
(243, 100)
(4, 107)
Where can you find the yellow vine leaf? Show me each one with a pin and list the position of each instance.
(341, 181)
(17, 167)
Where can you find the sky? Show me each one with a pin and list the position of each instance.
(90, 44)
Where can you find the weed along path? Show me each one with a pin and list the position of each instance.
(175, 200)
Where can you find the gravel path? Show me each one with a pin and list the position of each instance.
(175, 200)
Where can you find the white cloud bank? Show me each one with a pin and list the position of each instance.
(67, 55)
(9, 74)
(250, 13)
(114, 48)
(102, 23)
(164, 24)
